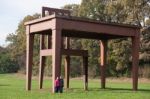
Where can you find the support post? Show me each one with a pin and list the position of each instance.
(67, 71)
(85, 70)
(42, 62)
(135, 61)
(67, 64)
(56, 56)
(41, 70)
(49, 40)
(103, 56)
(29, 57)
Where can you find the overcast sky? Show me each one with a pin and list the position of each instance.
(13, 11)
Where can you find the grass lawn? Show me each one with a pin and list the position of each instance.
(12, 86)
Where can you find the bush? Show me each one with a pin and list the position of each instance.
(144, 71)
(7, 65)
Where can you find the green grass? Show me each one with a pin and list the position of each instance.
(13, 87)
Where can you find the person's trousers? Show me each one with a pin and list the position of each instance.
(56, 89)
(61, 89)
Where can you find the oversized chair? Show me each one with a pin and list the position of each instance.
(46, 50)
(59, 24)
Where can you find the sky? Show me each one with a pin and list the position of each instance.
(13, 11)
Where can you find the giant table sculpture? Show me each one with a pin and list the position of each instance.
(60, 24)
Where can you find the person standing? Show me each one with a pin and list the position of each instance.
(61, 81)
(57, 85)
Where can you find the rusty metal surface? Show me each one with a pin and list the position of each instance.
(103, 58)
(67, 71)
(73, 18)
(29, 59)
(72, 52)
(68, 52)
(135, 60)
(83, 29)
(55, 11)
(41, 71)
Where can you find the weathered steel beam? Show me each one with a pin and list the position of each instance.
(41, 71)
(49, 41)
(29, 57)
(135, 59)
(71, 52)
(46, 52)
(42, 44)
(85, 72)
(103, 57)
(68, 52)
(96, 27)
(55, 11)
(56, 56)
(76, 24)
(42, 61)
(67, 63)
(67, 71)
(46, 25)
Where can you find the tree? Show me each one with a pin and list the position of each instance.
(17, 42)
(74, 8)
(7, 65)
(145, 46)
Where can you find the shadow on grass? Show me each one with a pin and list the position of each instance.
(117, 90)
(127, 90)
(4, 85)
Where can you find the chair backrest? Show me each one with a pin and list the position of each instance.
(50, 11)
